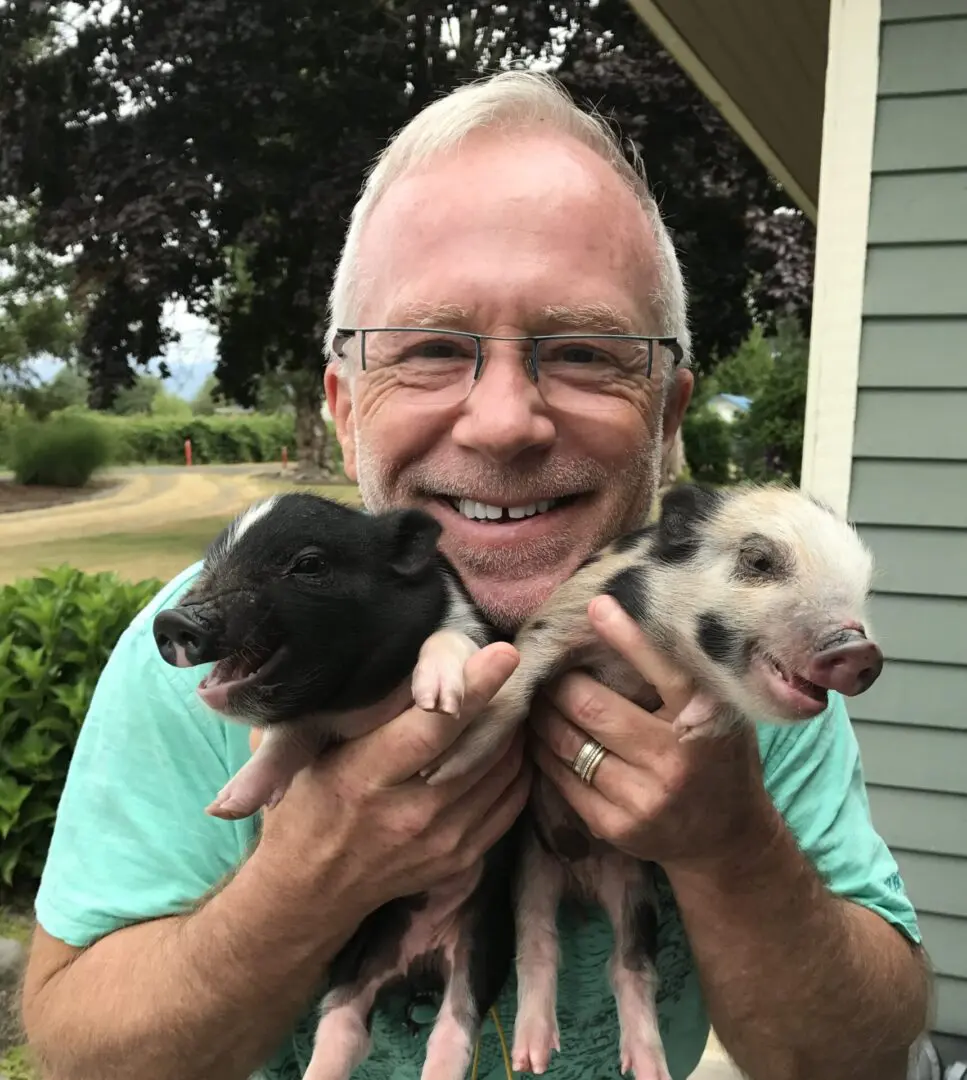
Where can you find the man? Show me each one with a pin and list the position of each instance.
(164, 952)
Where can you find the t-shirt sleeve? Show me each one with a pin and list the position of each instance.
(815, 776)
(131, 839)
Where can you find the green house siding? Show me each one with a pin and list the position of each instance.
(909, 476)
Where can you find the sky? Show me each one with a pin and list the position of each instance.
(190, 360)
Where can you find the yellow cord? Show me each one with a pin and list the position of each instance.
(503, 1049)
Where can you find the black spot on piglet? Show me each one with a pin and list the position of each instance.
(628, 588)
(717, 640)
(685, 510)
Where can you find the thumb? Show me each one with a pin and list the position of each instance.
(416, 738)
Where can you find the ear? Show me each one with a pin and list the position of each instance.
(413, 541)
(684, 509)
(676, 403)
(340, 401)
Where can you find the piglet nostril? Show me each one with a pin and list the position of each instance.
(851, 669)
(181, 640)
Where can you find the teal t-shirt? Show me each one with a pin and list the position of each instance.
(132, 841)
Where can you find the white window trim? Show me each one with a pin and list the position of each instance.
(849, 124)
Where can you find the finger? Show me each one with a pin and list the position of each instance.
(603, 818)
(415, 738)
(620, 725)
(491, 807)
(504, 813)
(486, 785)
(614, 778)
(616, 628)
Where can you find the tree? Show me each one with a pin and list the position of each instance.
(212, 152)
(770, 436)
(746, 250)
(68, 388)
(39, 316)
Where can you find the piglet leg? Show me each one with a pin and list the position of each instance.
(265, 777)
(342, 1037)
(625, 890)
(535, 1030)
(450, 1046)
(438, 682)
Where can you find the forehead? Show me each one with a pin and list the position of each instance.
(504, 230)
(280, 526)
(820, 539)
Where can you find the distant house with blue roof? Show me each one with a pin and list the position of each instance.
(728, 406)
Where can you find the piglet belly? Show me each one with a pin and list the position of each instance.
(437, 927)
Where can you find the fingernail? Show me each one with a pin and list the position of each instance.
(605, 607)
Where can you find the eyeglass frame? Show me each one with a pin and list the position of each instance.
(345, 333)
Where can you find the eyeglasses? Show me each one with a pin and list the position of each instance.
(440, 367)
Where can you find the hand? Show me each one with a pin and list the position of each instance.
(362, 815)
(653, 796)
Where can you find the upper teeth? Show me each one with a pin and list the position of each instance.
(483, 511)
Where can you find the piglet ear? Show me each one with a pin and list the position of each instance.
(684, 509)
(413, 541)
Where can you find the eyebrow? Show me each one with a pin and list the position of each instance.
(596, 317)
(602, 318)
(421, 314)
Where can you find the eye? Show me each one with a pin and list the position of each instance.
(308, 563)
(758, 561)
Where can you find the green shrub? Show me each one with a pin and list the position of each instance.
(59, 629)
(769, 437)
(221, 440)
(64, 451)
(708, 445)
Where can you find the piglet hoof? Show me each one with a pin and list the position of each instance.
(232, 805)
(698, 720)
(535, 1038)
(438, 685)
(642, 1060)
(690, 733)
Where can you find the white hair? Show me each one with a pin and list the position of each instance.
(508, 99)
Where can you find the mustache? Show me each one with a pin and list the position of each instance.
(550, 480)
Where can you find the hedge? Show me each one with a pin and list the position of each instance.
(59, 629)
(220, 440)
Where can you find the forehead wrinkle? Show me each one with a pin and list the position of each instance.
(598, 317)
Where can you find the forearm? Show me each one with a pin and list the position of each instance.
(206, 995)
(799, 983)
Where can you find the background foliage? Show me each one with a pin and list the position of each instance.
(59, 629)
(212, 152)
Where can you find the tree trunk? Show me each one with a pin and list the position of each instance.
(310, 429)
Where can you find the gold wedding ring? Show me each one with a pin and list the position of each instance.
(587, 760)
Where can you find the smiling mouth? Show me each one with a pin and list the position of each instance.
(474, 510)
(236, 673)
(791, 690)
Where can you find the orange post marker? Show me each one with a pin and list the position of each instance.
(285, 456)
(187, 451)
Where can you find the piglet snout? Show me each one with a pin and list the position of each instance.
(182, 640)
(850, 664)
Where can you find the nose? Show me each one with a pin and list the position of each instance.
(850, 668)
(182, 640)
(504, 415)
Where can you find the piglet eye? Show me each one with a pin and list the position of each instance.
(310, 563)
(758, 562)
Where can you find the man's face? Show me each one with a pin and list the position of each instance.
(509, 236)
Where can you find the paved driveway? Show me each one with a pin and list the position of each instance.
(149, 497)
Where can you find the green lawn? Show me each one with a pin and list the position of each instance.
(134, 555)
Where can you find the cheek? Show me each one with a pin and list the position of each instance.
(394, 433)
(620, 438)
